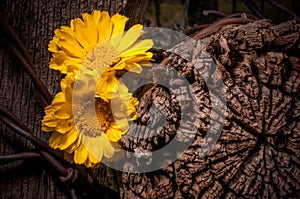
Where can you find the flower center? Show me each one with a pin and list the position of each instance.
(104, 114)
(98, 60)
(88, 123)
(100, 57)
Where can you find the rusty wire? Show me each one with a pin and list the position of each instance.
(19, 156)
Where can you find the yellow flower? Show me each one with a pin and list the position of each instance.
(100, 41)
(93, 111)
(87, 135)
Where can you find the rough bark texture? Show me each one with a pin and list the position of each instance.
(258, 152)
(34, 21)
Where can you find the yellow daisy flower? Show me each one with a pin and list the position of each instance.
(101, 41)
(92, 112)
(84, 138)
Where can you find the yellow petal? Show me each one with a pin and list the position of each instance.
(78, 27)
(88, 163)
(50, 109)
(80, 155)
(66, 85)
(121, 88)
(119, 22)
(64, 126)
(109, 150)
(85, 83)
(48, 121)
(138, 48)
(106, 86)
(119, 66)
(67, 139)
(90, 30)
(64, 63)
(145, 63)
(130, 37)
(104, 27)
(62, 114)
(54, 140)
(133, 67)
(74, 145)
(114, 134)
(68, 157)
(122, 124)
(67, 42)
(119, 104)
(137, 57)
(52, 47)
(59, 98)
(96, 14)
(93, 160)
(48, 129)
(98, 146)
(94, 146)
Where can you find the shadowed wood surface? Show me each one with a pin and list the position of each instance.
(257, 154)
(34, 21)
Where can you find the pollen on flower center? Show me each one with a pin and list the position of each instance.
(104, 114)
(90, 124)
(100, 57)
(86, 121)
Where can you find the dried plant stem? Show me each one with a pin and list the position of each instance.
(213, 28)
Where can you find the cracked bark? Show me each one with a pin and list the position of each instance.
(258, 152)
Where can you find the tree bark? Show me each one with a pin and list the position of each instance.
(258, 152)
(34, 21)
